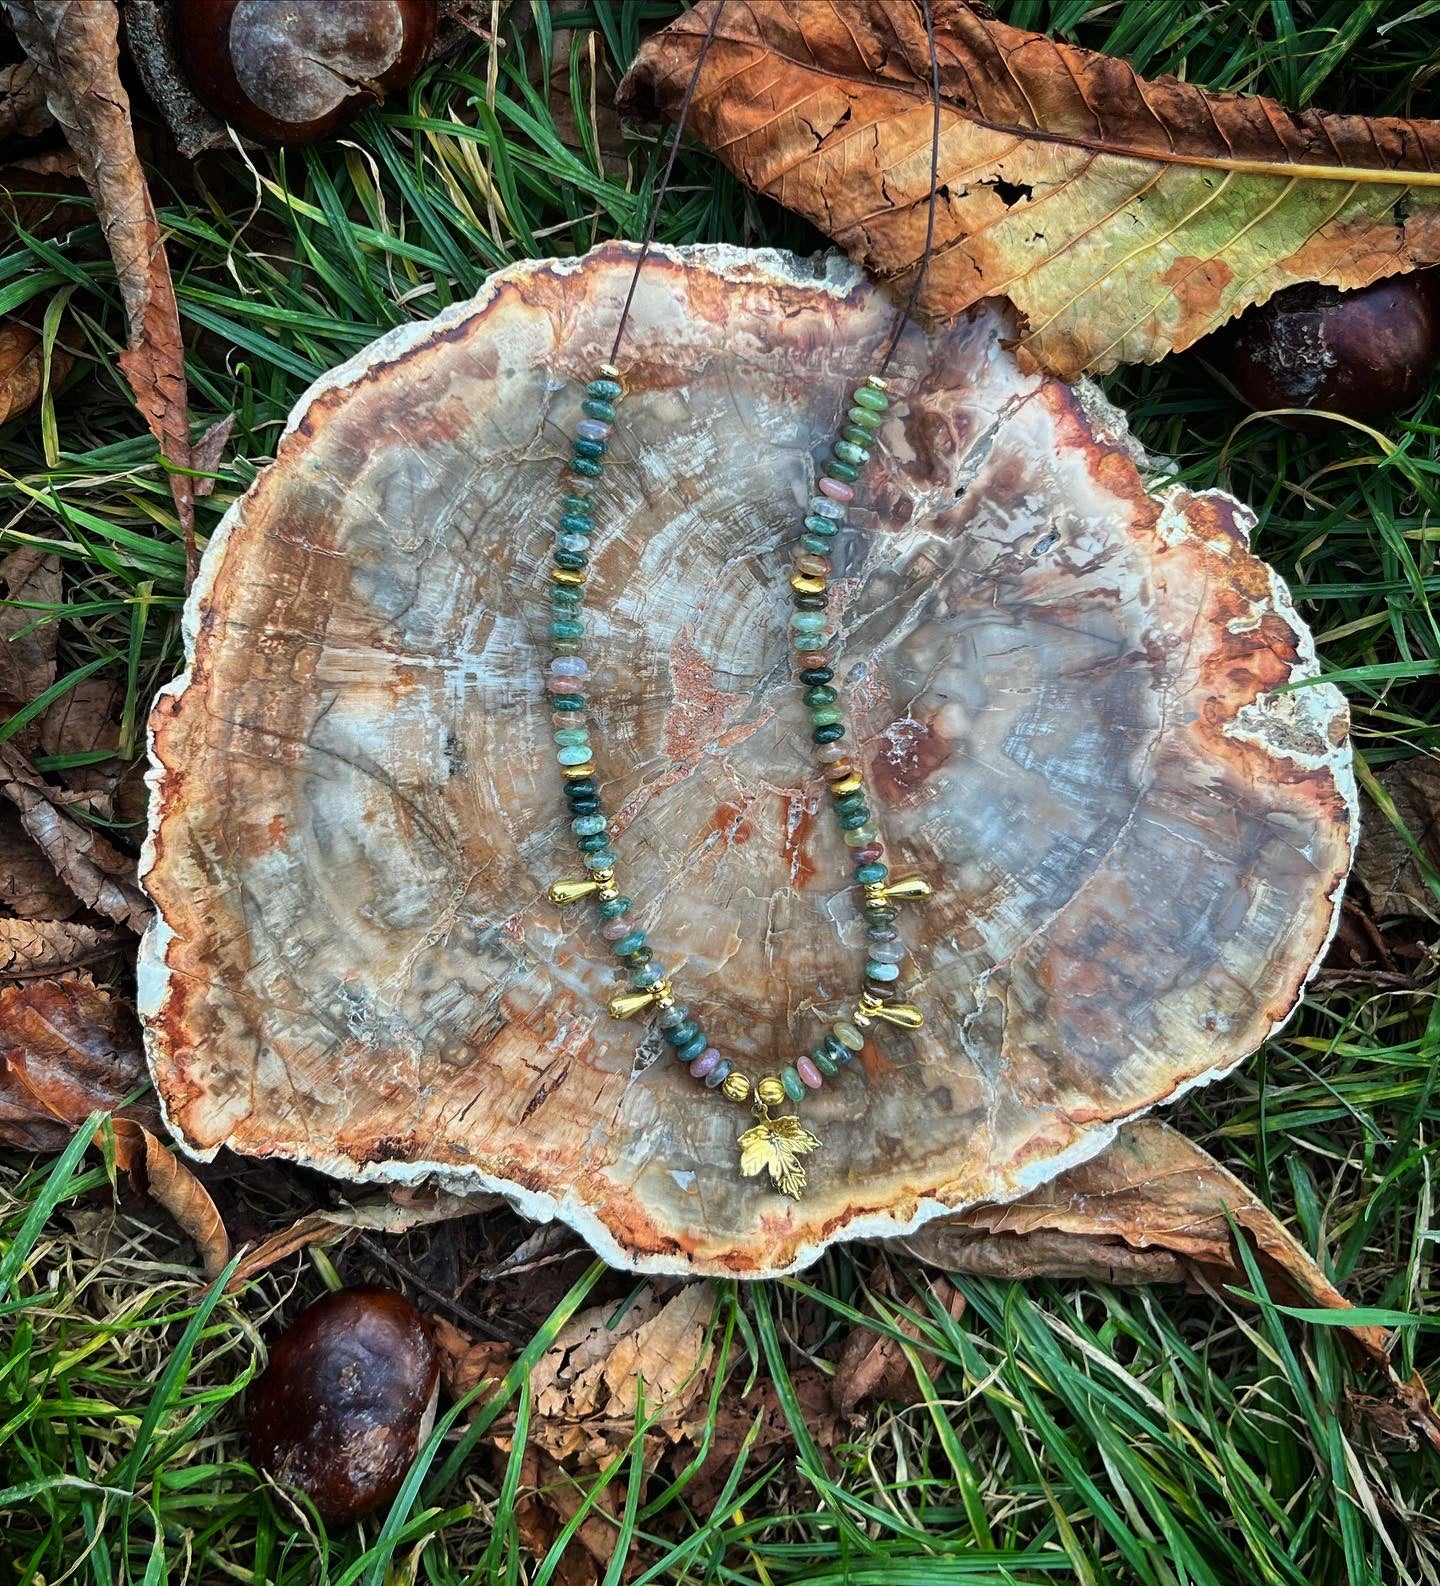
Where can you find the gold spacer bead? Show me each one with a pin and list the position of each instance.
(578, 773)
(607, 890)
(877, 383)
(806, 584)
(846, 784)
(608, 371)
(770, 1092)
(735, 1087)
(575, 577)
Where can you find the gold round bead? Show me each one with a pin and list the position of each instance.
(770, 1092)
(876, 383)
(735, 1087)
(608, 371)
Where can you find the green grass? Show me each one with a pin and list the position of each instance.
(1064, 1431)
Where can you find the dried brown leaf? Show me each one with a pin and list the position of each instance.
(75, 45)
(1124, 218)
(42, 949)
(28, 578)
(22, 369)
(23, 111)
(206, 453)
(29, 887)
(166, 1179)
(93, 868)
(588, 1384)
(464, 1363)
(396, 1212)
(1384, 861)
(1152, 1192)
(67, 1049)
(875, 1365)
(39, 193)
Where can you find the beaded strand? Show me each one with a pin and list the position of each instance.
(812, 640)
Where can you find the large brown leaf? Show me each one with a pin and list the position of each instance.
(1123, 218)
(75, 46)
(69, 1049)
(1153, 1207)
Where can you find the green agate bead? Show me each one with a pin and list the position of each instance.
(605, 390)
(595, 408)
(866, 396)
(566, 628)
(854, 820)
(831, 734)
(572, 754)
(568, 737)
(827, 528)
(571, 523)
(588, 825)
(864, 419)
(824, 716)
(858, 437)
(820, 695)
(814, 544)
(586, 467)
(843, 471)
(794, 1085)
(866, 875)
(613, 908)
(824, 1062)
(848, 452)
(581, 506)
(807, 621)
(585, 448)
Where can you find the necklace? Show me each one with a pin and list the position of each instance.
(778, 1141)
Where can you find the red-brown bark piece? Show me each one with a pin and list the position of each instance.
(1070, 697)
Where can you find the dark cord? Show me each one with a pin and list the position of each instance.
(907, 313)
(660, 191)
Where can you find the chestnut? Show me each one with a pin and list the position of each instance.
(1362, 354)
(291, 71)
(346, 1401)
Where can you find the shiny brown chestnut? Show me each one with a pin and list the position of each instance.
(346, 1401)
(1363, 354)
(291, 71)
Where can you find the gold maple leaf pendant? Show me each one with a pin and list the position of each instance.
(778, 1144)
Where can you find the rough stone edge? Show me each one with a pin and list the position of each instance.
(831, 272)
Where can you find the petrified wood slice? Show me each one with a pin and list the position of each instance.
(1066, 690)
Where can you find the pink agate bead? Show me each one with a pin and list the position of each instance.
(613, 930)
(834, 488)
(807, 1071)
(705, 1062)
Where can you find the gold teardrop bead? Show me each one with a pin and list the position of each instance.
(563, 892)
